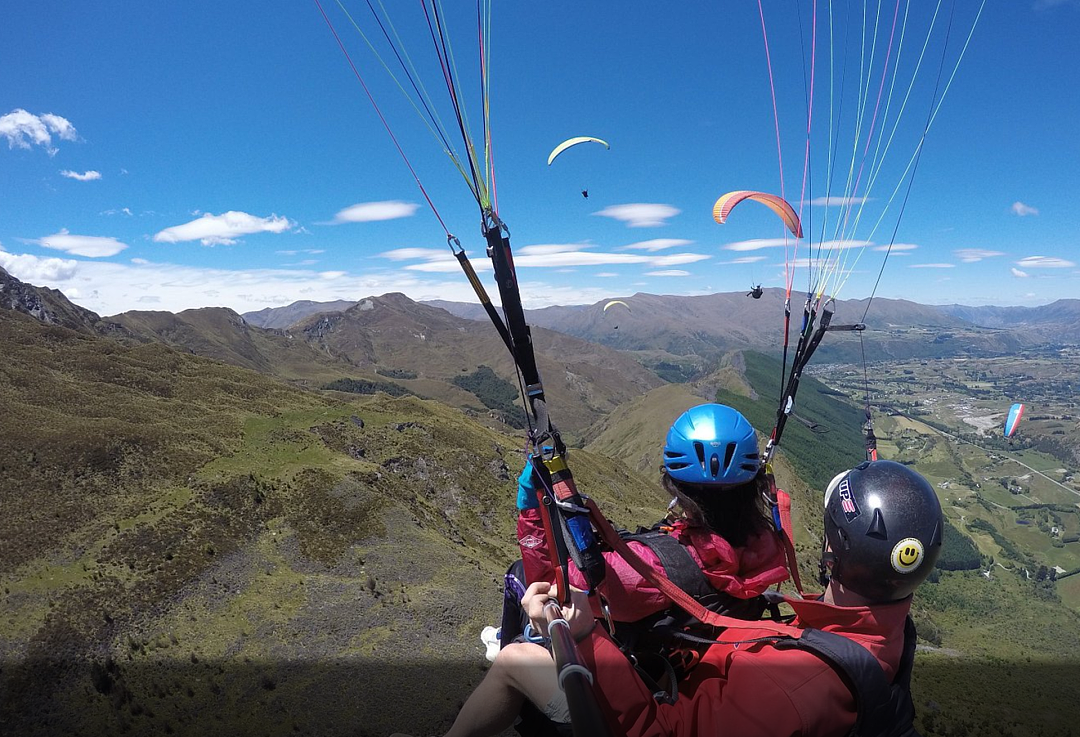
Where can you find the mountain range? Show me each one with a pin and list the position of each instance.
(698, 329)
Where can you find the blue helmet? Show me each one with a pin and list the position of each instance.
(711, 444)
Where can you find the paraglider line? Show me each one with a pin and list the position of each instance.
(918, 157)
(439, 41)
(382, 118)
(776, 121)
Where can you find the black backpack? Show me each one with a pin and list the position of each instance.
(884, 709)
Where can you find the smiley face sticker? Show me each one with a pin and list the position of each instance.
(907, 555)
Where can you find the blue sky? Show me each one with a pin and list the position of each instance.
(167, 156)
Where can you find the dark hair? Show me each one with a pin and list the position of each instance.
(735, 513)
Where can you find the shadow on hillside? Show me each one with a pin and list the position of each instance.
(364, 697)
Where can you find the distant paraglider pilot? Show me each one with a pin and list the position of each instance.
(756, 292)
(585, 193)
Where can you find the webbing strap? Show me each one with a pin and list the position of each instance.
(787, 535)
(677, 562)
(485, 300)
(665, 586)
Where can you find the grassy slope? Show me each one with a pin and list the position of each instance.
(193, 547)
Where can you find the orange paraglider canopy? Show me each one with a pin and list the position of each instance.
(727, 202)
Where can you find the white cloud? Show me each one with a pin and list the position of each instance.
(109, 287)
(87, 176)
(312, 251)
(972, 255)
(668, 272)
(656, 244)
(121, 211)
(606, 275)
(1044, 262)
(223, 229)
(932, 266)
(755, 244)
(541, 256)
(36, 270)
(366, 212)
(91, 246)
(640, 215)
(23, 129)
(547, 249)
(896, 247)
(746, 260)
(837, 201)
(1019, 208)
(431, 254)
(1019, 274)
(139, 261)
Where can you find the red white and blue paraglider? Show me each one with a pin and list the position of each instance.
(1013, 420)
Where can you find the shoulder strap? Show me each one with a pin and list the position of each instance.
(883, 708)
(784, 527)
(678, 564)
(686, 602)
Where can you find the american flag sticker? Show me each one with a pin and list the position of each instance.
(847, 502)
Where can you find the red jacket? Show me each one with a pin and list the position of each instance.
(742, 572)
(750, 689)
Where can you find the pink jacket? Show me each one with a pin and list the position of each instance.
(742, 572)
(749, 689)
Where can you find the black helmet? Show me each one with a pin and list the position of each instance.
(883, 525)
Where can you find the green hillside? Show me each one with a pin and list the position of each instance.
(818, 455)
(191, 548)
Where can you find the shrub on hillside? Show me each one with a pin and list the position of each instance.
(495, 392)
(364, 386)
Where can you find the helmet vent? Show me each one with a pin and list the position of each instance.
(714, 465)
(877, 527)
(700, 450)
(729, 454)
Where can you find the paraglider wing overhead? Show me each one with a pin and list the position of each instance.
(617, 302)
(1011, 422)
(573, 142)
(727, 202)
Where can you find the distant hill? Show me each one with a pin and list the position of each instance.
(51, 307)
(221, 334)
(1057, 322)
(283, 317)
(398, 345)
(708, 326)
(667, 331)
(394, 335)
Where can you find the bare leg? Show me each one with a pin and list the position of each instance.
(521, 671)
